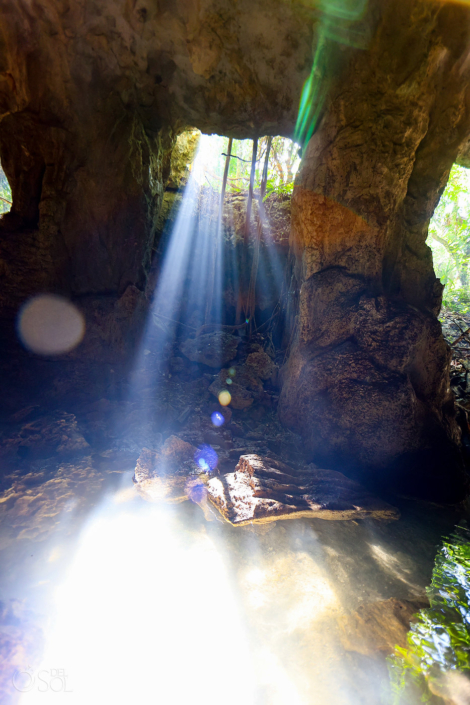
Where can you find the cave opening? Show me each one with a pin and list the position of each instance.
(5, 193)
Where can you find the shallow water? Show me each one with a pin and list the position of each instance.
(109, 598)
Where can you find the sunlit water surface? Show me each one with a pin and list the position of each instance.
(147, 603)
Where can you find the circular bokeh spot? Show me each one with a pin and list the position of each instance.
(206, 458)
(225, 398)
(50, 325)
(217, 418)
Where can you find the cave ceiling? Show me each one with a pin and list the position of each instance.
(229, 67)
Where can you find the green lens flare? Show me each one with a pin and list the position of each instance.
(338, 25)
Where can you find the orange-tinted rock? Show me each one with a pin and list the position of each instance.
(263, 489)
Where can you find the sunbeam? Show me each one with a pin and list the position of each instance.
(139, 617)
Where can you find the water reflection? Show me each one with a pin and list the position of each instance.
(141, 616)
(150, 603)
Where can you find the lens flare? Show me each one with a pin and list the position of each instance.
(217, 418)
(225, 398)
(50, 325)
(196, 491)
(339, 24)
(206, 458)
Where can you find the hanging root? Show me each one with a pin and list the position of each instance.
(250, 304)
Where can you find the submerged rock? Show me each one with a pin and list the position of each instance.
(263, 489)
(212, 349)
(379, 626)
(165, 474)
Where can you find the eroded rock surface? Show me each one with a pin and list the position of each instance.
(263, 489)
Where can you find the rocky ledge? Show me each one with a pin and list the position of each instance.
(263, 489)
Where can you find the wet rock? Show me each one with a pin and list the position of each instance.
(212, 349)
(154, 484)
(261, 364)
(378, 626)
(263, 489)
(163, 475)
(44, 437)
(243, 375)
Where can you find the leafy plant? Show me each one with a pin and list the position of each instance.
(449, 239)
(439, 640)
(5, 193)
(282, 189)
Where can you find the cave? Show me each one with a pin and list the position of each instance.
(233, 405)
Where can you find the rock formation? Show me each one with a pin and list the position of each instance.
(92, 96)
(367, 378)
(261, 490)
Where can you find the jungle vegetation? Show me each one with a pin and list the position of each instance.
(449, 240)
(431, 667)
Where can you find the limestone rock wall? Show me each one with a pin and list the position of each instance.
(367, 379)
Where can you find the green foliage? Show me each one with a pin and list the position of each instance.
(449, 239)
(5, 193)
(439, 640)
(284, 161)
(281, 189)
